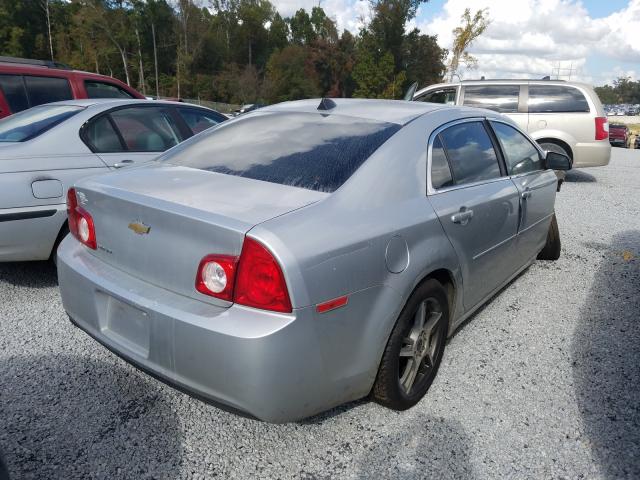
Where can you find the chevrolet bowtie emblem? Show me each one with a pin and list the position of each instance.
(139, 228)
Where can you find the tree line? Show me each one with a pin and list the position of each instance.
(624, 90)
(234, 51)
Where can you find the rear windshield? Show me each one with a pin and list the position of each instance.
(308, 150)
(30, 123)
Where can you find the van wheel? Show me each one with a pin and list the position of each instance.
(551, 250)
(414, 351)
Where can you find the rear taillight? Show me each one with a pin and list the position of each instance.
(80, 221)
(602, 128)
(254, 279)
(216, 276)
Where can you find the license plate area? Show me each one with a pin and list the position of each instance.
(127, 325)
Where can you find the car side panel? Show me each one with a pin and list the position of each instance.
(537, 199)
(485, 244)
(23, 234)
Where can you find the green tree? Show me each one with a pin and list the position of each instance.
(463, 36)
(375, 75)
(278, 33)
(291, 75)
(424, 60)
(301, 28)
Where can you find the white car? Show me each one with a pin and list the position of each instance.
(47, 148)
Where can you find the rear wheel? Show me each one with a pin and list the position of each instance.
(551, 250)
(414, 350)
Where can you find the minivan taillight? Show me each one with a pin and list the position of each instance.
(602, 128)
(80, 221)
(254, 279)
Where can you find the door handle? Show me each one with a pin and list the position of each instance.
(462, 217)
(526, 194)
(123, 163)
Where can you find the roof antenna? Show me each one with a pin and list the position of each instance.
(326, 104)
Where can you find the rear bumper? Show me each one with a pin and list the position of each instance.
(268, 365)
(592, 154)
(29, 233)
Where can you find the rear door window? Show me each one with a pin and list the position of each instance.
(199, 120)
(470, 153)
(307, 150)
(47, 89)
(520, 154)
(556, 99)
(105, 90)
(500, 98)
(101, 137)
(14, 92)
(146, 129)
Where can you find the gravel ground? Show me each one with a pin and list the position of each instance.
(544, 382)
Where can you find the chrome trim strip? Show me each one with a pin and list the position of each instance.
(534, 224)
(475, 257)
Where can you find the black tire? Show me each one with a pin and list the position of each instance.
(387, 389)
(551, 250)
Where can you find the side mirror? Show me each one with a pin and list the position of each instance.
(558, 161)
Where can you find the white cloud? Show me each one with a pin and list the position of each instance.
(526, 38)
(348, 14)
(543, 37)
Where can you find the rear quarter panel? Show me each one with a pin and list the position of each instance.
(339, 246)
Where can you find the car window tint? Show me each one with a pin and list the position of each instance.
(446, 96)
(47, 89)
(440, 171)
(101, 136)
(501, 98)
(309, 150)
(199, 120)
(14, 92)
(520, 154)
(105, 90)
(556, 99)
(470, 153)
(28, 124)
(146, 129)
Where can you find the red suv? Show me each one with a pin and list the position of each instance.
(25, 83)
(619, 135)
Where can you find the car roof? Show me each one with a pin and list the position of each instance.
(390, 111)
(505, 81)
(116, 102)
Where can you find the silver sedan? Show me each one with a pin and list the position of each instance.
(45, 149)
(309, 253)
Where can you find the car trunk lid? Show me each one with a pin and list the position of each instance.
(156, 223)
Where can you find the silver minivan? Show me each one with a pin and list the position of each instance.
(564, 117)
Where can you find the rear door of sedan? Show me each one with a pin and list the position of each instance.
(134, 134)
(477, 204)
(536, 185)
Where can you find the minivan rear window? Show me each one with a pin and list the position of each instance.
(308, 150)
(556, 99)
(501, 98)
